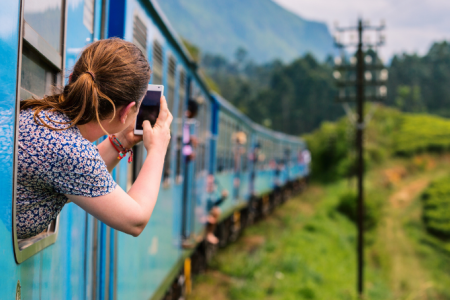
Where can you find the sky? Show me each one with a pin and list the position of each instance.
(411, 25)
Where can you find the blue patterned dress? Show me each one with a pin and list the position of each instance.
(52, 164)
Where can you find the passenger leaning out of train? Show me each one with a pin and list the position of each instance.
(213, 208)
(57, 160)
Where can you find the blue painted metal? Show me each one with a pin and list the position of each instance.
(9, 40)
(117, 11)
(76, 267)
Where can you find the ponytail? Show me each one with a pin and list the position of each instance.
(95, 87)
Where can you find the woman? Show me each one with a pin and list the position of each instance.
(57, 160)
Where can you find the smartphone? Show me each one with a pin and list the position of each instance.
(149, 109)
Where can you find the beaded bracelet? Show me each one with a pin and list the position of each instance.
(118, 145)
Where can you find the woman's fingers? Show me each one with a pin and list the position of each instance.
(169, 119)
(163, 112)
(147, 127)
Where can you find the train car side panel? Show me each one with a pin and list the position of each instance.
(9, 41)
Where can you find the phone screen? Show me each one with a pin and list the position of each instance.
(149, 109)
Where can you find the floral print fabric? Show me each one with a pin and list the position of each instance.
(53, 163)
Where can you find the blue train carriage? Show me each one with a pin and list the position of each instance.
(277, 168)
(74, 258)
(178, 220)
(231, 165)
(296, 167)
(90, 260)
(86, 260)
(198, 170)
(232, 147)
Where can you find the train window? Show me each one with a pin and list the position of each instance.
(206, 129)
(181, 97)
(230, 145)
(157, 72)
(41, 69)
(200, 135)
(42, 48)
(140, 40)
(171, 83)
(138, 161)
(45, 17)
(244, 149)
(170, 103)
(222, 143)
(88, 15)
(225, 144)
(37, 76)
(179, 123)
(139, 34)
(167, 172)
(130, 175)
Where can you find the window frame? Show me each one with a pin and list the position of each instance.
(29, 37)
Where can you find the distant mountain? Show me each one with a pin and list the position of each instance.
(263, 28)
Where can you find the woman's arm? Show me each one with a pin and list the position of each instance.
(109, 154)
(131, 212)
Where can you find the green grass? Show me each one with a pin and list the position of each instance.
(306, 250)
(305, 255)
(434, 254)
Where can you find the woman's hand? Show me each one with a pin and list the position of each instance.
(158, 137)
(127, 137)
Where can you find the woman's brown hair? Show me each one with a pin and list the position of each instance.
(109, 73)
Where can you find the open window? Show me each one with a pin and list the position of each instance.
(140, 40)
(41, 63)
(167, 171)
(179, 123)
(140, 34)
(157, 62)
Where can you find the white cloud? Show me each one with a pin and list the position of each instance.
(412, 25)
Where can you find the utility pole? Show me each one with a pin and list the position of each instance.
(353, 89)
(360, 149)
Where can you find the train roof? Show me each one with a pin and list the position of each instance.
(259, 128)
(172, 35)
(278, 135)
(231, 109)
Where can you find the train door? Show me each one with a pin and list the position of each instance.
(190, 154)
(244, 178)
(188, 206)
(201, 160)
(101, 240)
(101, 264)
(237, 158)
(101, 248)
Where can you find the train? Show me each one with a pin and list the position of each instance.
(79, 257)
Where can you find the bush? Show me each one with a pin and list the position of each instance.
(348, 205)
(389, 133)
(332, 145)
(436, 208)
(422, 133)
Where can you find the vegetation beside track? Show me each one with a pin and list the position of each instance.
(306, 248)
(390, 133)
